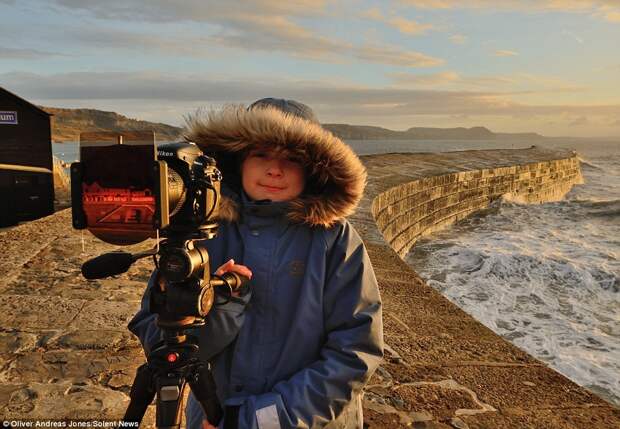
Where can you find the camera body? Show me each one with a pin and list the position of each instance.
(124, 189)
(192, 190)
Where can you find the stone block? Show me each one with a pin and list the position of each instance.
(23, 312)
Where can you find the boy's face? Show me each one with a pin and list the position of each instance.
(267, 176)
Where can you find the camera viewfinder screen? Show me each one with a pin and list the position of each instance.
(118, 194)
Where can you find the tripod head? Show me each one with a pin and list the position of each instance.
(185, 287)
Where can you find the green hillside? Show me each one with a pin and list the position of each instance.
(364, 132)
(67, 124)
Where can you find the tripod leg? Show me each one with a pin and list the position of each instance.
(170, 392)
(142, 394)
(203, 387)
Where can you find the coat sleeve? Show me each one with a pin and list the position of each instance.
(143, 324)
(222, 323)
(353, 348)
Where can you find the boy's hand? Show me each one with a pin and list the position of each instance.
(230, 266)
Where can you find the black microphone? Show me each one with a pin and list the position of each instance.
(106, 265)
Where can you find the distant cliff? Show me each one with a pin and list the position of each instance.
(363, 132)
(67, 124)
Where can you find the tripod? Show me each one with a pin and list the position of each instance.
(172, 364)
(181, 303)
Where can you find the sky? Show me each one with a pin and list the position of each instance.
(545, 66)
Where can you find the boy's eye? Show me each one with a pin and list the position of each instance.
(263, 154)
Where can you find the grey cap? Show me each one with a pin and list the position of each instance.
(287, 106)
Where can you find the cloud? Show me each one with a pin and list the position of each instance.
(373, 13)
(24, 54)
(219, 11)
(510, 84)
(396, 56)
(260, 26)
(250, 25)
(130, 85)
(612, 16)
(458, 39)
(573, 36)
(521, 5)
(608, 10)
(152, 89)
(192, 10)
(114, 39)
(433, 79)
(405, 26)
(552, 83)
(277, 33)
(505, 53)
(282, 37)
(306, 45)
(580, 121)
(430, 4)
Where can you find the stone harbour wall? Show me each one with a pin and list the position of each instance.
(65, 352)
(443, 369)
(414, 209)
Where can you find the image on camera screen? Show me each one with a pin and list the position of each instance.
(118, 195)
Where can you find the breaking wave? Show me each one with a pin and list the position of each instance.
(546, 277)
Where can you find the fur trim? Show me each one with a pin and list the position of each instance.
(228, 210)
(335, 176)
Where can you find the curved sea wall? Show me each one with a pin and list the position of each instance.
(418, 207)
(443, 368)
(65, 351)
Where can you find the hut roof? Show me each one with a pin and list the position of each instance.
(25, 102)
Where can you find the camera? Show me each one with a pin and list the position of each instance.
(124, 189)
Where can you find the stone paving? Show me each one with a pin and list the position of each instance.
(65, 352)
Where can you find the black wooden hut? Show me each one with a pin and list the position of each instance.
(26, 177)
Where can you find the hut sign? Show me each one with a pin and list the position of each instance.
(8, 118)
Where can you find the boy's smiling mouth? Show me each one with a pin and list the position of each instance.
(272, 188)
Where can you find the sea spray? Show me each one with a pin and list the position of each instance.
(546, 277)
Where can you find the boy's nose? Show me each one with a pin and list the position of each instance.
(274, 168)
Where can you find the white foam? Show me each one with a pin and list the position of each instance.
(546, 277)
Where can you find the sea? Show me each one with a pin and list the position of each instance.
(545, 277)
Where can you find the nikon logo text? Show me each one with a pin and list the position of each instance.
(164, 153)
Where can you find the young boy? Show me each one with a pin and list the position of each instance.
(296, 350)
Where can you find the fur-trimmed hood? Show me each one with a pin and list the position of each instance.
(335, 176)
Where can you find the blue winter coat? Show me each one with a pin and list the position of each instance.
(296, 350)
(310, 334)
